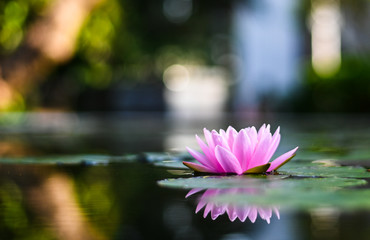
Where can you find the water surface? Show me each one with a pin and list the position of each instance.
(98, 177)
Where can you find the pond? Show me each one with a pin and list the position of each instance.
(117, 176)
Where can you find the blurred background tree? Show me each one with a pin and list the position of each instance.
(346, 87)
(117, 41)
(36, 36)
(111, 54)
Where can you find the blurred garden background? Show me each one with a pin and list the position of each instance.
(90, 90)
(185, 56)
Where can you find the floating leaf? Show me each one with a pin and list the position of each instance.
(69, 159)
(287, 198)
(310, 169)
(283, 191)
(261, 182)
(171, 164)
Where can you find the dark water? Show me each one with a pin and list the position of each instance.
(122, 200)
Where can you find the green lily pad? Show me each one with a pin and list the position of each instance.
(280, 182)
(218, 181)
(281, 190)
(69, 159)
(171, 164)
(365, 163)
(311, 169)
(344, 199)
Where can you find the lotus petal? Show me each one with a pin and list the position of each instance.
(243, 152)
(283, 159)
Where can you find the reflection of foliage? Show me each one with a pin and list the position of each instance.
(15, 221)
(13, 213)
(118, 196)
(96, 197)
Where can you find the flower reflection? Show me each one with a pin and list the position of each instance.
(234, 211)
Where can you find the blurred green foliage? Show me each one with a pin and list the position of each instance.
(348, 90)
(132, 41)
(15, 221)
(95, 45)
(121, 41)
(15, 17)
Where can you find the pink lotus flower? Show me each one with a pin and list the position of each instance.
(246, 151)
(234, 211)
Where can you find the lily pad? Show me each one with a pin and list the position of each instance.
(217, 182)
(276, 182)
(281, 190)
(69, 159)
(286, 198)
(171, 164)
(319, 169)
(365, 163)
